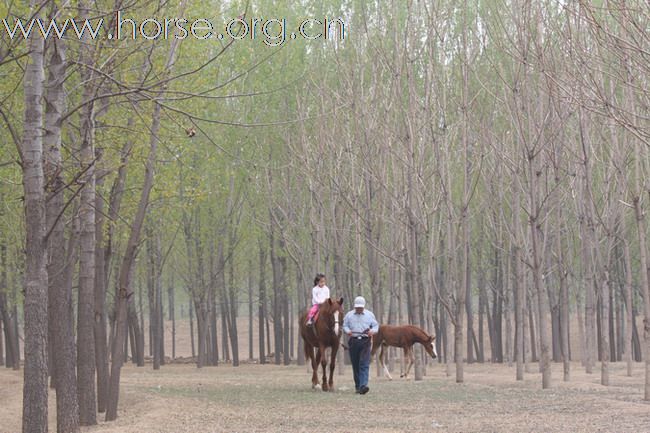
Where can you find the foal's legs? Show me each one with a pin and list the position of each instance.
(382, 361)
(408, 352)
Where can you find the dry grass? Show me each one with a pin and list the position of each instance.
(268, 398)
(256, 398)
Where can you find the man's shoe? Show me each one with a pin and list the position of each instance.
(364, 390)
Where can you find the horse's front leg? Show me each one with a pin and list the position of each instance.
(323, 363)
(332, 365)
(315, 360)
(408, 353)
(382, 361)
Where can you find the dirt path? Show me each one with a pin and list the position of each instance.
(254, 398)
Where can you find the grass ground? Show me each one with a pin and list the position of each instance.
(268, 398)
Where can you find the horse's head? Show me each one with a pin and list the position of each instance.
(430, 347)
(332, 314)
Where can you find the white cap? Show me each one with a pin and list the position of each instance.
(359, 302)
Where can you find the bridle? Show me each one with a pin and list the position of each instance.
(336, 322)
(336, 329)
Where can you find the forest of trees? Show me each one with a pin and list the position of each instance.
(479, 169)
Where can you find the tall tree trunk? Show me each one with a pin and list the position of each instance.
(61, 332)
(35, 388)
(125, 291)
(301, 283)
(101, 343)
(542, 300)
(590, 302)
(520, 291)
(86, 300)
(464, 212)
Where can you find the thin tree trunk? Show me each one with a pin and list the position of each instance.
(520, 291)
(542, 300)
(628, 303)
(101, 343)
(225, 333)
(250, 309)
(130, 340)
(531, 327)
(157, 301)
(191, 312)
(277, 317)
(2, 347)
(604, 353)
(232, 299)
(640, 220)
(261, 311)
(470, 325)
(590, 303)
(508, 298)
(137, 348)
(564, 300)
(213, 344)
(172, 314)
(150, 277)
(12, 358)
(201, 328)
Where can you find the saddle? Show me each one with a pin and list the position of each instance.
(314, 320)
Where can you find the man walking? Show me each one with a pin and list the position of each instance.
(360, 324)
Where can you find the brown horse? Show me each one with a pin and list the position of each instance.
(405, 337)
(324, 333)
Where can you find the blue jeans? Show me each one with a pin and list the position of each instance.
(360, 358)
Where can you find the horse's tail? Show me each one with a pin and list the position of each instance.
(309, 351)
